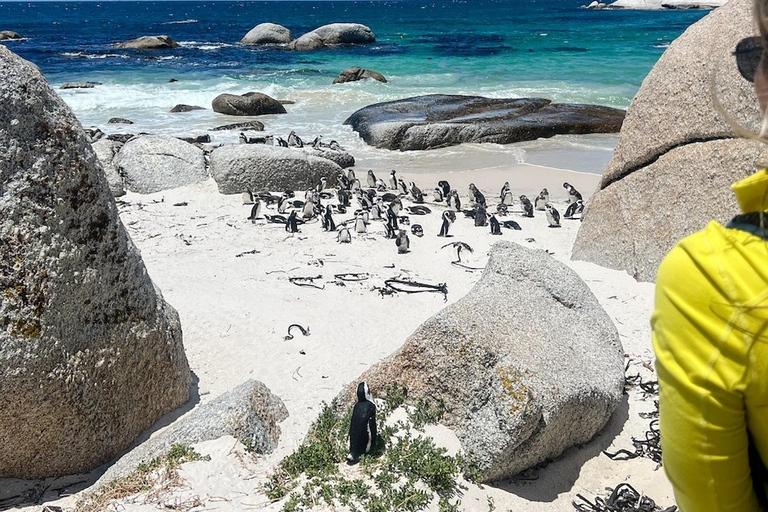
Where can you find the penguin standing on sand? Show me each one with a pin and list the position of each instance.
(454, 203)
(508, 199)
(402, 186)
(291, 225)
(360, 225)
(247, 197)
(391, 225)
(343, 197)
(255, 211)
(402, 242)
(480, 217)
(309, 209)
(351, 175)
(343, 181)
(344, 237)
(449, 217)
(282, 203)
(553, 216)
(397, 205)
(574, 209)
(371, 179)
(328, 223)
(416, 193)
(445, 187)
(437, 195)
(380, 185)
(362, 428)
(527, 206)
(541, 200)
(504, 191)
(392, 180)
(475, 195)
(573, 194)
(495, 226)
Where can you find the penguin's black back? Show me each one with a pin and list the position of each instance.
(362, 429)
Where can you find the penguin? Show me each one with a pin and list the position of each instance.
(255, 211)
(573, 194)
(574, 208)
(294, 140)
(282, 204)
(418, 196)
(504, 190)
(481, 219)
(360, 225)
(371, 179)
(344, 237)
(323, 183)
(328, 223)
(291, 225)
(380, 185)
(343, 181)
(502, 209)
(309, 209)
(378, 210)
(392, 180)
(282, 142)
(553, 216)
(391, 225)
(362, 428)
(351, 175)
(459, 246)
(510, 224)
(355, 184)
(402, 186)
(402, 242)
(508, 199)
(454, 203)
(475, 195)
(396, 205)
(527, 206)
(495, 226)
(247, 197)
(449, 217)
(445, 187)
(364, 200)
(541, 200)
(417, 230)
(335, 146)
(437, 195)
(317, 143)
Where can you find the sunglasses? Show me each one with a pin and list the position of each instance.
(749, 53)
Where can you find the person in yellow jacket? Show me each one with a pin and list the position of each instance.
(710, 335)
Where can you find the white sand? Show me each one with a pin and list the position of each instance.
(235, 311)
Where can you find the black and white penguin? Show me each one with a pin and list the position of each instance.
(282, 204)
(360, 225)
(247, 197)
(445, 187)
(418, 196)
(454, 203)
(328, 223)
(574, 208)
(294, 140)
(437, 195)
(481, 218)
(392, 180)
(541, 200)
(371, 179)
(321, 186)
(255, 211)
(504, 189)
(391, 225)
(417, 230)
(343, 181)
(495, 226)
(527, 206)
(508, 199)
(397, 205)
(502, 209)
(344, 237)
(309, 209)
(402, 242)
(343, 196)
(362, 428)
(380, 185)
(282, 142)
(510, 224)
(573, 194)
(449, 217)
(291, 225)
(351, 175)
(553, 216)
(379, 211)
(317, 143)
(475, 195)
(335, 146)
(364, 199)
(354, 184)
(402, 186)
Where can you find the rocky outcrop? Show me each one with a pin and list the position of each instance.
(151, 163)
(106, 150)
(250, 413)
(654, 5)
(119, 120)
(333, 34)
(439, 120)
(185, 108)
(8, 35)
(149, 43)
(254, 126)
(244, 167)
(521, 381)
(90, 353)
(267, 33)
(355, 74)
(249, 104)
(341, 158)
(673, 110)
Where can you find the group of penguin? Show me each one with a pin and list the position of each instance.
(383, 201)
(293, 141)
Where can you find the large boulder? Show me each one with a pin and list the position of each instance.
(527, 364)
(249, 104)
(8, 34)
(355, 74)
(106, 150)
(149, 43)
(90, 353)
(255, 126)
(242, 167)
(675, 109)
(333, 34)
(439, 120)
(249, 413)
(341, 158)
(151, 163)
(267, 33)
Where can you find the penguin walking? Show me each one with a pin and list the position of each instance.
(255, 211)
(541, 200)
(449, 217)
(392, 180)
(371, 179)
(495, 226)
(360, 225)
(362, 428)
(481, 219)
(574, 208)
(445, 187)
(344, 237)
(402, 242)
(553, 216)
(291, 225)
(527, 206)
(418, 196)
(573, 194)
(328, 223)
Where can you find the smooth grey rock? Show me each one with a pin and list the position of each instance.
(119, 120)
(672, 114)
(254, 126)
(90, 353)
(9, 34)
(185, 108)
(333, 34)
(522, 380)
(355, 74)
(149, 43)
(106, 150)
(267, 33)
(197, 139)
(151, 163)
(656, 5)
(250, 413)
(249, 104)
(242, 167)
(80, 85)
(342, 158)
(439, 120)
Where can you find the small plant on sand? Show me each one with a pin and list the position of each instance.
(404, 472)
(154, 478)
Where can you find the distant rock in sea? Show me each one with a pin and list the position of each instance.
(249, 104)
(648, 5)
(80, 85)
(197, 139)
(8, 35)
(439, 120)
(355, 74)
(185, 108)
(91, 355)
(333, 34)
(267, 33)
(119, 120)
(256, 126)
(149, 43)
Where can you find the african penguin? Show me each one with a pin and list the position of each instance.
(371, 179)
(360, 224)
(291, 225)
(573, 194)
(344, 237)
(392, 180)
(541, 200)
(402, 242)
(574, 208)
(255, 211)
(480, 217)
(449, 217)
(445, 187)
(495, 226)
(418, 196)
(294, 140)
(362, 428)
(527, 206)
(553, 216)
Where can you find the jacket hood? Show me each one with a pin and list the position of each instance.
(752, 192)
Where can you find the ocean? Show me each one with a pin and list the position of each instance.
(496, 48)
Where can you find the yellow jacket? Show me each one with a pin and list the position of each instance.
(710, 334)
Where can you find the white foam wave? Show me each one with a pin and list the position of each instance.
(83, 55)
(205, 45)
(181, 22)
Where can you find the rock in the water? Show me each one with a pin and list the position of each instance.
(342, 158)
(655, 5)
(267, 33)
(151, 163)
(185, 108)
(106, 150)
(521, 380)
(119, 120)
(333, 34)
(197, 139)
(8, 34)
(244, 167)
(249, 104)
(250, 413)
(254, 126)
(80, 85)
(674, 109)
(355, 74)
(90, 353)
(149, 43)
(439, 120)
